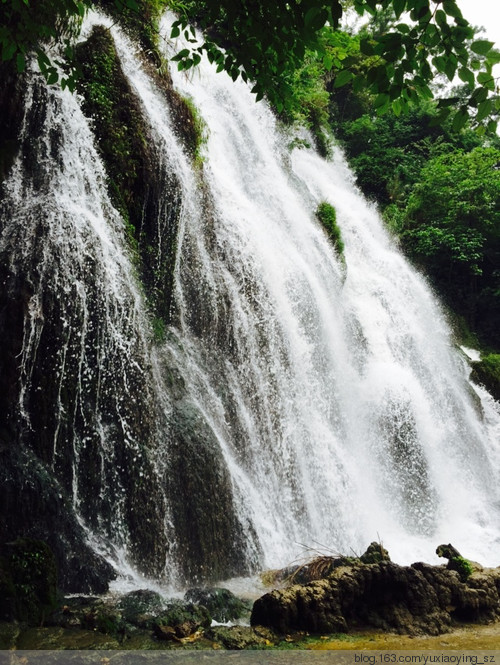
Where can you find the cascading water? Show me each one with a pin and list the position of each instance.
(297, 398)
(341, 405)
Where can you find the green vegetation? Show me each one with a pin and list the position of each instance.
(129, 152)
(159, 329)
(462, 566)
(141, 18)
(439, 191)
(268, 43)
(117, 119)
(328, 217)
(487, 372)
(28, 581)
(195, 130)
(450, 225)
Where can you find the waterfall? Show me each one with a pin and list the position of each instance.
(341, 404)
(298, 398)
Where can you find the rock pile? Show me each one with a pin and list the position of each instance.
(420, 598)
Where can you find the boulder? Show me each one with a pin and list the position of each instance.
(408, 599)
(141, 607)
(180, 620)
(241, 637)
(222, 604)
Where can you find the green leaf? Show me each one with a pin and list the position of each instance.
(450, 7)
(397, 107)
(20, 62)
(175, 32)
(441, 18)
(399, 7)
(342, 78)
(459, 120)
(52, 77)
(492, 126)
(486, 80)
(493, 58)
(484, 110)
(328, 61)
(450, 70)
(181, 55)
(381, 100)
(467, 76)
(478, 96)
(481, 46)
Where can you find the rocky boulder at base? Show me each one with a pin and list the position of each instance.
(420, 598)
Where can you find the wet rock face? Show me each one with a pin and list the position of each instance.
(408, 599)
(208, 532)
(66, 425)
(140, 183)
(11, 95)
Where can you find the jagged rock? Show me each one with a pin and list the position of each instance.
(89, 613)
(375, 553)
(447, 551)
(180, 620)
(322, 566)
(222, 604)
(409, 599)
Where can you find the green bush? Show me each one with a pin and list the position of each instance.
(28, 581)
(328, 218)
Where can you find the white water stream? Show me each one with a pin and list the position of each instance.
(350, 415)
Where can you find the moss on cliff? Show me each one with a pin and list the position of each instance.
(140, 185)
(328, 218)
(487, 372)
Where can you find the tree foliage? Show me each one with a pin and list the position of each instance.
(450, 225)
(264, 41)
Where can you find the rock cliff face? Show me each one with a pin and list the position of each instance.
(409, 599)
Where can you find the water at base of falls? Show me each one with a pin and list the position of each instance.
(299, 399)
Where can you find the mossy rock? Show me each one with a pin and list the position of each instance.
(28, 581)
(140, 608)
(222, 604)
(242, 637)
(141, 184)
(179, 620)
(375, 553)
(487, 373)
(462, 566)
